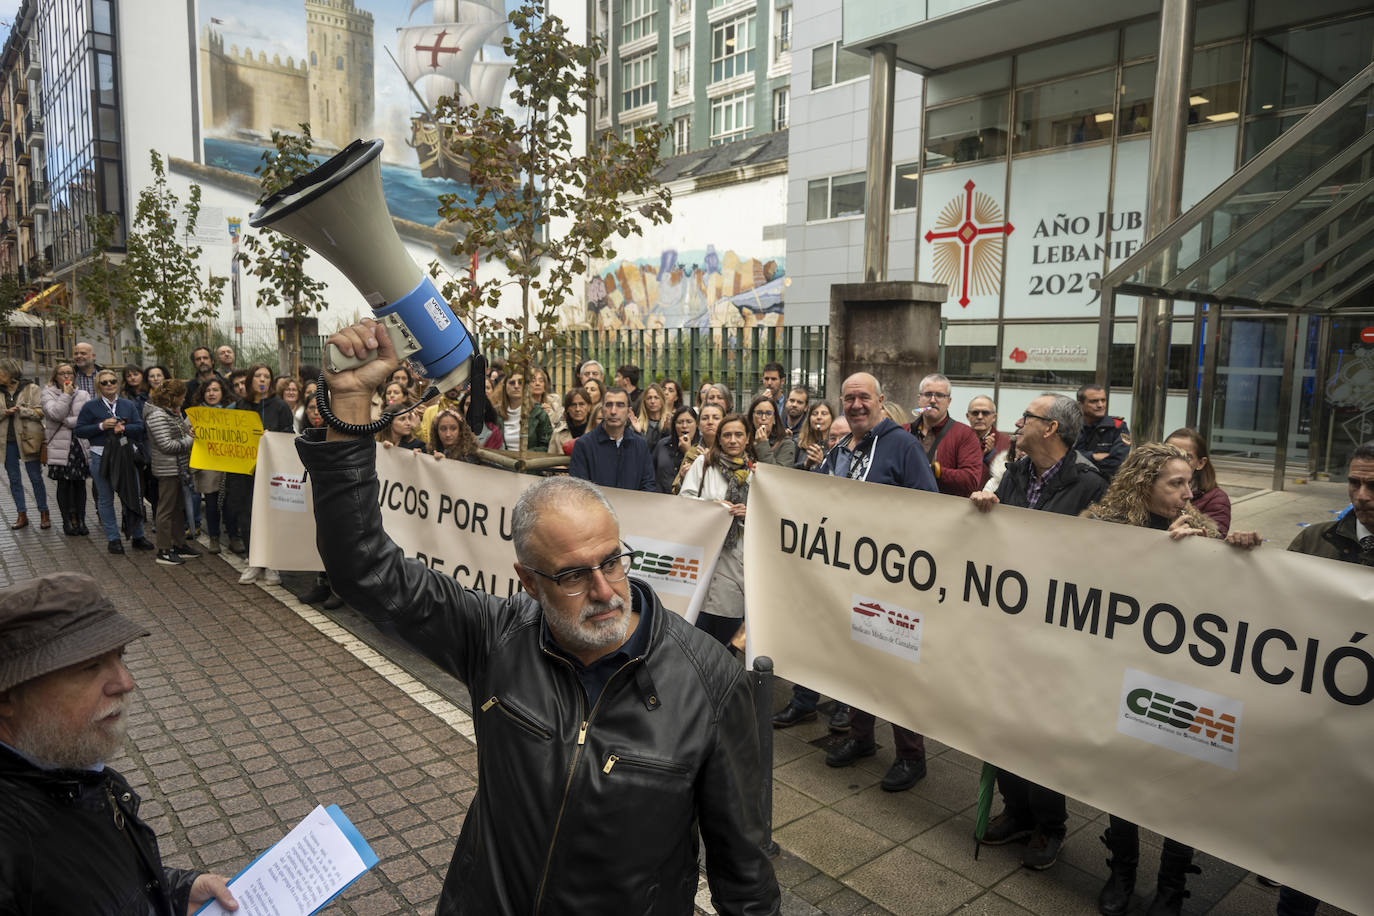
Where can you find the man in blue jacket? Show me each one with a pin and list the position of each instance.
(104, 420)
(878, 451)
(613, 454)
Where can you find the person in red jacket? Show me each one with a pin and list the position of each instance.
(953, 450)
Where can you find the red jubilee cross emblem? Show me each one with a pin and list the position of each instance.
(967, 240)
(437, 48)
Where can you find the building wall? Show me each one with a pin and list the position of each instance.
(723, 247)
(829, 137)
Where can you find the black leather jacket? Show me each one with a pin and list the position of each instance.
(577, 810)
(71, 842)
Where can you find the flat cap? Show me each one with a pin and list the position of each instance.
(55, 621)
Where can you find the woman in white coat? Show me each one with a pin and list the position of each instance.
(722, 473)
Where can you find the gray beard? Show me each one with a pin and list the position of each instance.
(586, 637)
(42, 740)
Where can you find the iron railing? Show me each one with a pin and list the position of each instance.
(693, 356)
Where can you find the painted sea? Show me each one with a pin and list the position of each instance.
(409, 195)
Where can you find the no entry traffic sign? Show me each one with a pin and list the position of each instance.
(1367, 335)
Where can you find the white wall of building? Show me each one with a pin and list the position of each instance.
(828, 137)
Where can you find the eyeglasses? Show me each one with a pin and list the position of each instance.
(65, 372)
(934, 395)
(105, 382)
(1035, 416)
(573, 582)
(763, 412)
(980, 413)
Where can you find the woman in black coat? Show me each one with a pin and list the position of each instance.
(672, 446)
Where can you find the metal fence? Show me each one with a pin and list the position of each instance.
(734, 357)
(693, 356)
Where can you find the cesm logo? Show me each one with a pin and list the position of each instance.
(1180, 717)
(671, 567)
(885, 626)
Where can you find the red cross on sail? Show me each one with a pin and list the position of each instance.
(446, 50)
(968, 244)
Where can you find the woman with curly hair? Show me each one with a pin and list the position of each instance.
(1152, 489)
(451, 437)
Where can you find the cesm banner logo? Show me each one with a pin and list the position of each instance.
(1180, 717)
(885, 626)
(668, 566)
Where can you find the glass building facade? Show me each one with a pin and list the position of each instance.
(1033, 185)
(81, 92)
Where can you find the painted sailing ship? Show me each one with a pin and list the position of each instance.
(448, 58)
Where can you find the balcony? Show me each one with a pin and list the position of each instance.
(38, 196)
(8, 229)
(6, 177)
(25, 215)
(681, 80)
(19, 88)
(21, 152)
(782, 44)
(32, 69)
(33, 126)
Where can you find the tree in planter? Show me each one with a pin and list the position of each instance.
(280, 261)
(104, 286)
(170, 298)
(525, 177)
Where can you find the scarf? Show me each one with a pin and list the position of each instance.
(736, 472)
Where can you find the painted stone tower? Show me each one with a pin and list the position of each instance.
(339, 41)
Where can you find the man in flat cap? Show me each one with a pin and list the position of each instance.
(71, 841)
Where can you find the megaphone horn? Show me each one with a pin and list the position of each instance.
(339, 211)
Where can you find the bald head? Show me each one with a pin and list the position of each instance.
(862, 400)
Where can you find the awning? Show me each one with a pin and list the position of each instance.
(45, 298)
(19, 319)
(1292, 230)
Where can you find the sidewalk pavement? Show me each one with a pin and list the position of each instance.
(253, 708)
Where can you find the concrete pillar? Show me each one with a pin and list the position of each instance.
(879, 168)
(890, 329)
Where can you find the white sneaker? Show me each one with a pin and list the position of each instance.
(250, 574)
(271, 577)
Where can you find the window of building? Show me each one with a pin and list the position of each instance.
(603, 90)
(682, 68)
(732, 48)
(314, 59)
(966, 131)
(338, 63)
(783, 31)
(834, 197)
(780, 103)
(638, 19)
(831, 65)
(1066, 112)
(1213, 95)
(904, 189)
(682, 135)
(637, 81)
(732, 117)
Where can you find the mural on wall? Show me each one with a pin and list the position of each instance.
(351, 69)
(695, 289)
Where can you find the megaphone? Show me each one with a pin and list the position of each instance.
(338, 211)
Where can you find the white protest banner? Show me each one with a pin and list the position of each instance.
(456, 517)
(1218, 696)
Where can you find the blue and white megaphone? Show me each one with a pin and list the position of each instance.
(338, 210)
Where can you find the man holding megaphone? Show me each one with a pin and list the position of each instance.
(612, 735)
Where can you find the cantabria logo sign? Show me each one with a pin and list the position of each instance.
(1180, 717)
(668, 566)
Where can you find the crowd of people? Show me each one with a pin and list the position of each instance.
(127, 431)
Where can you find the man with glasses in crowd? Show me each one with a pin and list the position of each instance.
(952, 449)
(103, 421)
(982, 419)
(612, 734)
(1052, 477)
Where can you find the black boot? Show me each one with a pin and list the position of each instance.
(1175, 865)
(1122, 840)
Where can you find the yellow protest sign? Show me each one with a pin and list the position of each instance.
(226, 440)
